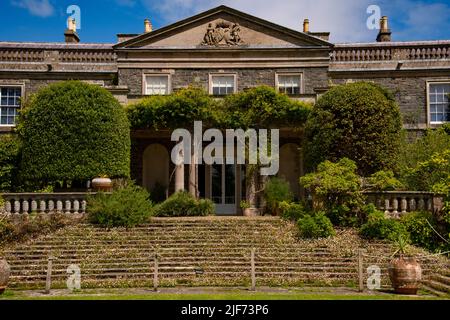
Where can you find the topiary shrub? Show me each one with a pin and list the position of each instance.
(73, 131)
(184, 204)
(10, 151)
(276, 191)
(336, 189)
(360, 121)
(381, 228)
(125, 207)
(316, 226)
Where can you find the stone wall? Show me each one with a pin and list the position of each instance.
(246, 78)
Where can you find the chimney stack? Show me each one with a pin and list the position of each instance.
(385, 33)
(70, 34)
(306, 25)
(147, 26)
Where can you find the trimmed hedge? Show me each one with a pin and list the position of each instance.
(74, 131)
(360, 121)
(184, 204)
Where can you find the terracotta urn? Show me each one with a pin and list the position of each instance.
(405, 274)
(102, 184)
(5, 271)
(251, 212)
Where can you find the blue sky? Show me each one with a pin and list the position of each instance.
(101, 20)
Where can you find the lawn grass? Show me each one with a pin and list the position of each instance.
(233, 295)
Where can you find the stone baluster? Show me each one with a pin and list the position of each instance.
(76, 206)
(395, 207)
(379, 203)
(59, 206)
(429, 204)
(33, 206)
(17, 206)
(51, 206)
(386, 206)
(421, 203)
(8, 207)
(404, 205)
(83, 206)
(68, 206)
(42, 206)
(25, 206)
(412, 204)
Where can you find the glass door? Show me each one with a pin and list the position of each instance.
(223, 188)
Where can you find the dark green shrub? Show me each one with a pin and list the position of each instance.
(384, 181)
(73, 131)
(10, 151)
(291, 210)
(342, 215)
(379, 227)
(420, 227)
(184, 204)
(360, 121)
(125, 207)
(316, 226)
(276, 191)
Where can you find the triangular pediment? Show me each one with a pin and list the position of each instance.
(223, 27)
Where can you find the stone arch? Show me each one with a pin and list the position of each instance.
(155, 167)
(290, 166)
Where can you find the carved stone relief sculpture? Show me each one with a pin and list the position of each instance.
(223, 34)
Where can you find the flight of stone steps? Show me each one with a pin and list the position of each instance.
(206, 251)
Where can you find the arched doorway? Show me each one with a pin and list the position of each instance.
(290, 166)
(155, 175)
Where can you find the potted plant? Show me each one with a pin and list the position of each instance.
(247, 209)
(405, 272)
(5, 271)
(102, 183)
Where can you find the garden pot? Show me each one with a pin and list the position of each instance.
(4, 275)
(405, 274)
(102, 184)
(251, 212)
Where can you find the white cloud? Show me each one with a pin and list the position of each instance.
(345, 19)
(40, 8)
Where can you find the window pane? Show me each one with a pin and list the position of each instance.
(289, 84)
(222, 85)
(157, 84)
(439, 102)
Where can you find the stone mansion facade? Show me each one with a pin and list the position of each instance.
(227, 51)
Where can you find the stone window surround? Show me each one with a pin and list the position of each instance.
(300, 74)
(433, 81)
(156, 74)
(221, 74)
(15, 84)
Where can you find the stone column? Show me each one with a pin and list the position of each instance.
(179, 175)
(252, 185)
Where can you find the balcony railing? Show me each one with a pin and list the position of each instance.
(391, 51)
(397, 203)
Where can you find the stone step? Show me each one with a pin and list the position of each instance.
(438, 286)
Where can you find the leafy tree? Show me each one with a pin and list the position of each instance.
(73, 131)
(384, 181)
(10, 148)
(360, 121)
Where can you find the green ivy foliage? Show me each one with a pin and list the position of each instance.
(10, 150)
(257, 107)
(73, 131)
(360, 121)
(177, 110)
